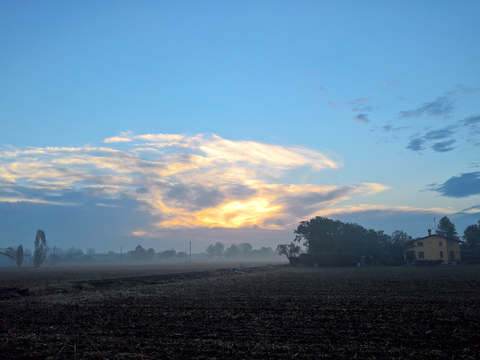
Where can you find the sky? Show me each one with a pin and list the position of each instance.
(161, 123)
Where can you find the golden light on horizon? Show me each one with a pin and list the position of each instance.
(238, 213)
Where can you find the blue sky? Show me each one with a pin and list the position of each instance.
(161, 123)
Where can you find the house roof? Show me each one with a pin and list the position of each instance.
(433, 235)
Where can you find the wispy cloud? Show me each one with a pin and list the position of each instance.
(181, 181)
(468, 129)
(416, 144)
(443, 146)
(443, 105)
(363, 118)
(388, 85)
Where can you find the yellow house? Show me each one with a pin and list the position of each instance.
(435, 247)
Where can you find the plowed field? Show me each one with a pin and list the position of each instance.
(258, 313)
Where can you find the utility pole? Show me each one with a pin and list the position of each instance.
(190, 251)
(435, 223)
(120, 254)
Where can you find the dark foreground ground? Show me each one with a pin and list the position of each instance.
(262, 313)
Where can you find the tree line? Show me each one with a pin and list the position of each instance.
(240, 251)
(324, 235)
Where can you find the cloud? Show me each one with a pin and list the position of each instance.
(443, 146)
(465, 185)
(472, 209)
(390, 84)
(416, 144)
(363, 118)
(360, 106)
(442, 106)
(181, 181)
(421, 142)
(440, 133)
(116, 139)
(471, 120)
(390, 127)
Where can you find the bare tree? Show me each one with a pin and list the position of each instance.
(289, 250)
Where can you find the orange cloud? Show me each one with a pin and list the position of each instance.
(183, 181)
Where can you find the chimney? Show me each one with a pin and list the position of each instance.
(429, 232)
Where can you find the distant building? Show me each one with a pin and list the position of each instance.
(435, 247)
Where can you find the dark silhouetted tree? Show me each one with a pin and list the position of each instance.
(139, 254)
(319, 235)
(245, 249)
(447, 228)
(218, 249)
(233, 252)
(168, 254)
(396, 248)
(210, 250)
(40, 248)
(150, 254)
(215, 250)
(182, 255)
(471, 236)
(19, 255)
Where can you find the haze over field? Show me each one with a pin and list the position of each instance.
(156, 123)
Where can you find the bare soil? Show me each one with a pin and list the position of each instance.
(262, 312)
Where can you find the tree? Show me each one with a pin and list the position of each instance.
(396, 248)
(245, 249)
(210, 250)
(168, 254)
(215, 250)
(150, 254)
(19, 255)
(138, 254)
(471, 235)
(218, 249)
(233, 252)
(400, 237)
(319, 234)
(40, 248)
(182, 255)
(447, 229)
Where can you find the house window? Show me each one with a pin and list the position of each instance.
(441, 254)
(440, 243)
(450, 243)
(420, 243)
(421, 255)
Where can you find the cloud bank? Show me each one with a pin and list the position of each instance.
(181, 181)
